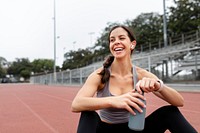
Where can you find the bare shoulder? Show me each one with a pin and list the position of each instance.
(91, 85)
(144, 73)
(96, 73)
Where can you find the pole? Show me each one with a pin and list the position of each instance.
(164, 25)
(91, 33)
(54, 68)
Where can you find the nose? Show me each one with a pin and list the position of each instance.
(117, 41)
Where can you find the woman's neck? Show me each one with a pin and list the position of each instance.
(121, 67)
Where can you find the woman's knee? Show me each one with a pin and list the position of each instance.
(169, 109)
(89, 117)
(88, 122)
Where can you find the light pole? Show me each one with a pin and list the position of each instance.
(91, 33)
(74, 45)
(54, 67)
(64, 51)
(164, 25)
(64, 54)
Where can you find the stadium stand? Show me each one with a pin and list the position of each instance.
(182, 53)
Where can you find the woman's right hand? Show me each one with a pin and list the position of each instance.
(129, 101)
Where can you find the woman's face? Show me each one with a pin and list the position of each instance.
(120, 44)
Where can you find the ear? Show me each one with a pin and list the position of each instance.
(133, 44)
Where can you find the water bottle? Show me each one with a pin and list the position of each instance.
(136, 122)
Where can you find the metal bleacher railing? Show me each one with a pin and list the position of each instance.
(183, 53)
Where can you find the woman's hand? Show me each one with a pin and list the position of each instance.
(129, 101)
(148, 85)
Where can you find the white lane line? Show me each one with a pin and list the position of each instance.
(36, 115)
(62, 99)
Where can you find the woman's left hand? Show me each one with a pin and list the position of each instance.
(147, 85)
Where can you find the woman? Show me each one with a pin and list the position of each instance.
(112, 90)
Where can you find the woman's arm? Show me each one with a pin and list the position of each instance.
(85, 99)
(171, 96)
(149, 83)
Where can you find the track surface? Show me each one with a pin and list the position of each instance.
(27, 108)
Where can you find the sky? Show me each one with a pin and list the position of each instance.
(27, 26)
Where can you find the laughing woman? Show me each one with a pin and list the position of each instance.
(111, 89)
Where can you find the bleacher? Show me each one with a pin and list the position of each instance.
(185, 52)
(156, 57)
(176, 53)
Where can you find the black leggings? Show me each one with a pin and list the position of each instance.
(167, 117)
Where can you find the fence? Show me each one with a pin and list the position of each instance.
(165, 62)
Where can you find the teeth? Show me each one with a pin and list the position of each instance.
(118, 49)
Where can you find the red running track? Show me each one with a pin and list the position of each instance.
(27, 108)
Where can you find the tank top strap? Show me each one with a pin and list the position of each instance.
(105, 91)
(135, 76)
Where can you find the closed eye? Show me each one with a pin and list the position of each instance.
(122, 38)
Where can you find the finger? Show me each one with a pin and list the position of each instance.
(140, 101)
(136, 96)
(130, 110)
(142, 86)
(152, 85)
(137, 87)
(133, 91)
(157, 85)
(147, 84)
(136, 106)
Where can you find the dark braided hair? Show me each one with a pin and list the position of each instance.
(105, 73)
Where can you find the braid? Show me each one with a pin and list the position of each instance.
(105, 73)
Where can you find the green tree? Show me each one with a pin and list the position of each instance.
(2, 72)
(184, 17)
(3, 62)
(75, 59)
(147, 28)
(19, 67)
(42, 65)
(25, 74)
